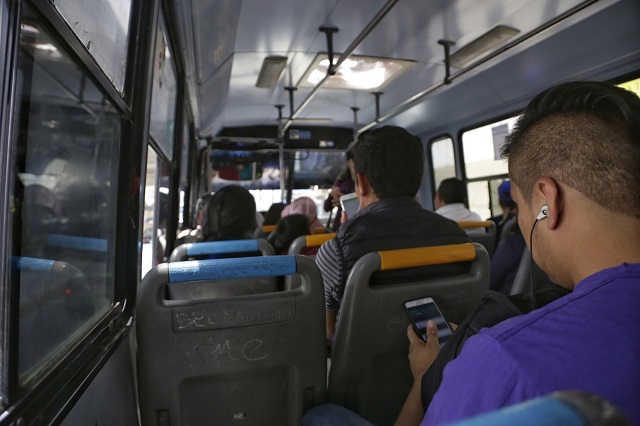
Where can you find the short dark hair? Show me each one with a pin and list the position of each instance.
(231, 213)
(585, 134)
(453, 190)
(289, 228)
(391, 158)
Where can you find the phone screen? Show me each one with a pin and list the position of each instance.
(350, 204)
(422, 310)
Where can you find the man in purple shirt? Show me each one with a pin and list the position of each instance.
(574, 164)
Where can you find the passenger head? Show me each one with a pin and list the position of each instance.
(273, 215)
(392, 161)
(231, 214)
(289, 228)
(504, 196)
(201, 208)
(305, 206)
(584, 134)
(451, 191)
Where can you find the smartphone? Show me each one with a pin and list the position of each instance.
(350, 204)
(422, 310)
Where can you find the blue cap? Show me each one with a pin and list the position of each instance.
(504, 192)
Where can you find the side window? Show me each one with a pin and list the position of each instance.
(103, 28)
(164, 92)
(156, 206)
(484, 166)
(64, 197)
(443, 161)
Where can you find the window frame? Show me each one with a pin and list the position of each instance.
(52, 393)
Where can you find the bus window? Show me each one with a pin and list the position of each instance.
(632, 85)
(103, 28)
(156, 208)
(481, 149)
(64, 191)
(443, 161)
(163, 98)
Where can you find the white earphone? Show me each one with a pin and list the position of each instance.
(543, 213)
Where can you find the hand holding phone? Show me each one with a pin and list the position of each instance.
(422, 310)
(350, 204)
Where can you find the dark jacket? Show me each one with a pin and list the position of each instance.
(398, 223)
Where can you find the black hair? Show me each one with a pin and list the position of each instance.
(392, 159)
(453, 190)
(289, 228)
(231, 214)
(273, 214)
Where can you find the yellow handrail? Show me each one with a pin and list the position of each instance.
(424, 256)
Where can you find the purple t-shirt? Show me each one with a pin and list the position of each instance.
(588, 340)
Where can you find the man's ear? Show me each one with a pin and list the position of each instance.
(547, 193)
(363, 183)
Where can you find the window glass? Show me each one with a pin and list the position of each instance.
(481, 148)
(156, 208)
(103, 27)
(633, 85)
(64, 197)
(443, 160)
(163, 97)
(478, 193)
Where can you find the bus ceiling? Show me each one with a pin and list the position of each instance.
(250, 65)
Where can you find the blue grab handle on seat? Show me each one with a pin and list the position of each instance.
(31, 263)
(539, 412)
(77, 243)
(242, 267)
(220, 247)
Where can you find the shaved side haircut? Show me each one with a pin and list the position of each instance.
(586, 135)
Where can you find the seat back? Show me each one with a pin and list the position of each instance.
(522, 280)
(488, 238)
(369, 369)
(255, 360)
(222, 288)
(184, 251)
(309, 241)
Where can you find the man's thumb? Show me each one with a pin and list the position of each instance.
(432, 333)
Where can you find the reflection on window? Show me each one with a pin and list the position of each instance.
(443, 160)
(156, 208)
(65, 181)
(481, 149)
(103, 27)
(163, 98)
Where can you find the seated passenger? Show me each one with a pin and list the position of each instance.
(230, 215)
(273, 214)
(289, 228)
(509, 208)
(388, 166)
(506, 261)
(573, 157)
(305, 206)
(343, 185)
(451, 201)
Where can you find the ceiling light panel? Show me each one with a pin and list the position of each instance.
(355, 73)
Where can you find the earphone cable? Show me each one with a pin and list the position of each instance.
(531, 269)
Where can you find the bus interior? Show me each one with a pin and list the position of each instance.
(118, 115)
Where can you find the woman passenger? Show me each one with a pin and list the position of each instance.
(230, 215)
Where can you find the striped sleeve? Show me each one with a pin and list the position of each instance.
(330, 264)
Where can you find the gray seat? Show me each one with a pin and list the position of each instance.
(304, 241)
(488, 238)
(184, 251)
(222, 288)
(369, 369)
(250, 360)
